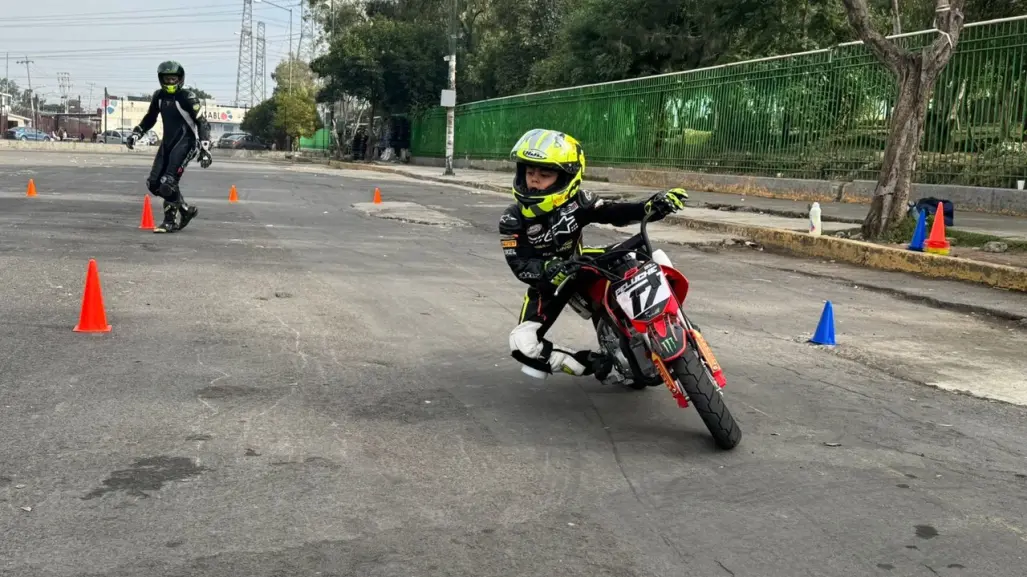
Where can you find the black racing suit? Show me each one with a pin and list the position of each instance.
(528, 243)
(184, 128)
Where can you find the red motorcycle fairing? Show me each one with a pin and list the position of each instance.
(665, 329)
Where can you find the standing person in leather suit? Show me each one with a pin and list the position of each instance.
(186, 132)
(543, 228)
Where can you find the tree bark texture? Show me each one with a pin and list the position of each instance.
(905, 132)
(916, 75)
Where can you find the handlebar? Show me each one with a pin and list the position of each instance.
(632, 244)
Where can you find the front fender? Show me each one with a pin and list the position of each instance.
(667, 337)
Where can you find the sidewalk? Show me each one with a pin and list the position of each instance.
(780, 226)
(733, 208)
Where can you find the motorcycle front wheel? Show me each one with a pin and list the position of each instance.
(704, 394)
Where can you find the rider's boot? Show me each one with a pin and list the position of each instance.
(603, 368)
(188, 212)
(170, 213)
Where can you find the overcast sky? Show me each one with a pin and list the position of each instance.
(119, 43)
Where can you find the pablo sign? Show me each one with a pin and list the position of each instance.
(218, 115)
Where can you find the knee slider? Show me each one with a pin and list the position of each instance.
(526, 347)
(153, 187)
(168, 187)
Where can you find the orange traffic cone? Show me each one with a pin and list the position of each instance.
(92, 319)
(233, 196)
(377, 196)
(32, 188)
(937, 243)
(147, 220)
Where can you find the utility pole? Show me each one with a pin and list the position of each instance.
(32, 96)
(449, 96)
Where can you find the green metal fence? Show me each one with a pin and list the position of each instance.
(820, 115)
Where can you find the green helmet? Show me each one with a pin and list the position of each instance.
(172, 68)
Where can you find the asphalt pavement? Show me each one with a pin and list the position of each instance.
(293, 386)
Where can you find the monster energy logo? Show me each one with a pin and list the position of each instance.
(669, 344)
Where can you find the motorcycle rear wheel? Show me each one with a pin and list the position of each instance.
(704, 394)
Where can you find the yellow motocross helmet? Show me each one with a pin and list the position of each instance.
(552, 150)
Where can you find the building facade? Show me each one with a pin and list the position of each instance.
(127, 113)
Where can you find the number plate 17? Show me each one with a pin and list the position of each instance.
(645, 294)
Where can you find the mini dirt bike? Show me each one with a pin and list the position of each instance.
(635, 306)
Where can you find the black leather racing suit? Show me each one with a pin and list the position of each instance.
(184, 128)
(528, 243)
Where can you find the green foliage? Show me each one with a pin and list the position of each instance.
(392, 57)
(291, 111)
(295, 112)
(260, 122)
(293, 73)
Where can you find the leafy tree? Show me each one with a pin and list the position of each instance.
(260, 122)
(396, 65)
(8, 86)
(295, 113)
(293, 73)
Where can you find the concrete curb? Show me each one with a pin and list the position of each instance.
(870, 255)
(416, 176)
(800, 244)
(76, 147)
(972, 198)
(72, 147)
(455, 181)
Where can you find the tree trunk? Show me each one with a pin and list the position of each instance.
(905, 132)
(916, 75)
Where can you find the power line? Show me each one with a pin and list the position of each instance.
(154, 18)
(22, 19)
(178, 47)
(176, 20)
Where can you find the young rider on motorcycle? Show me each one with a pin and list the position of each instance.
(543, 228)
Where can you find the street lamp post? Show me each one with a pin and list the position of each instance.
(289, 10)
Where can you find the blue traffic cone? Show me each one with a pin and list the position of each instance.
(920, 234)
(825, 330)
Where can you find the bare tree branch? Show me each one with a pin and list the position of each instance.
(949, 23)
(888, 52)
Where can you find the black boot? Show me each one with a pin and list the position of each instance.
(188, 212)
(169, 224)
(596, 364)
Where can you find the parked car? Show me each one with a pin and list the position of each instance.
(227, 139)
(114, 136)
(243, 142)
(26, 133)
